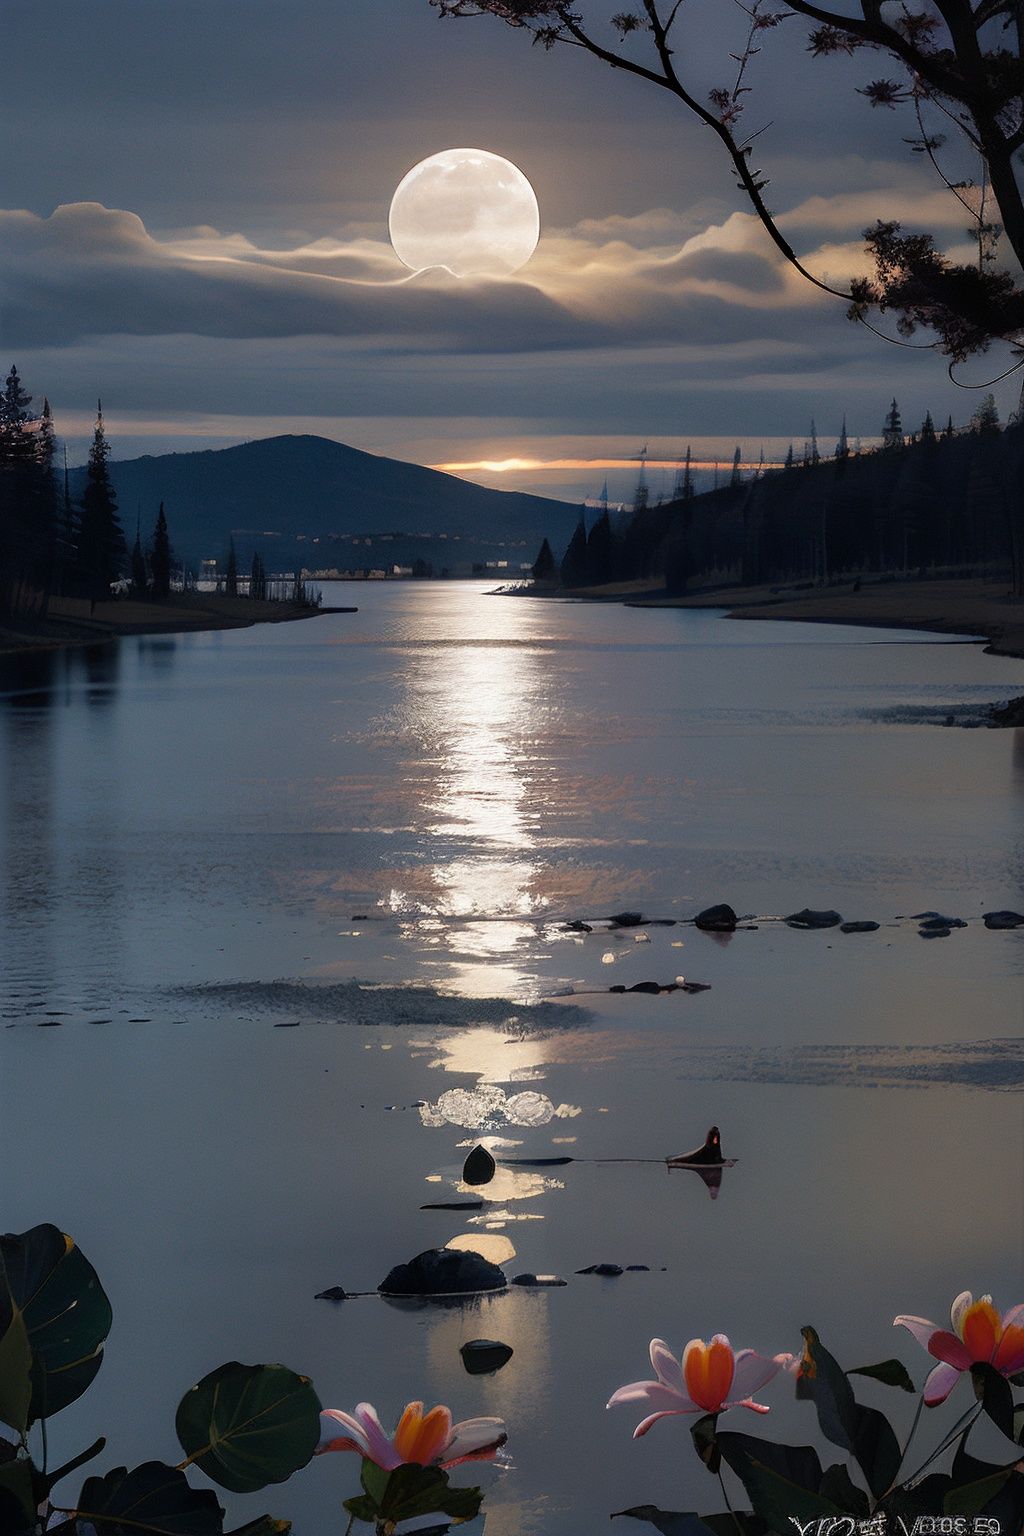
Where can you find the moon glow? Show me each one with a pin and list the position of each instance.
(468, 210)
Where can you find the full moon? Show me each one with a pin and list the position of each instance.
(467, 210)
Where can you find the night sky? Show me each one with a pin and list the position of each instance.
(196, 204)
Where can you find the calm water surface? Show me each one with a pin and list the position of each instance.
(373, 825)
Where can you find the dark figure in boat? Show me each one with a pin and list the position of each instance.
(709, 1153)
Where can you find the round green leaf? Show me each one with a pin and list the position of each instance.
(153, 1498)
(67, 1316)
(249, 1425)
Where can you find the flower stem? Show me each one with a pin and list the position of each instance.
(725, 1496)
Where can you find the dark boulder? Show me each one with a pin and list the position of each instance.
(453, 1205)
(1004, 919)
(934, 932)
(577, 926)
(482, 1356)
(808, 918)
(637, 1269)
(538, 1280)
(478, 1167)
(865, 927)
(936, 920)
(334, 1293)
(626, 919)
(443, 1272)
(609, 1270)
(718, 919)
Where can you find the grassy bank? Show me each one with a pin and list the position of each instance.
(76, 621)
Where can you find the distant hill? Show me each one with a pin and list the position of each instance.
(285, 492)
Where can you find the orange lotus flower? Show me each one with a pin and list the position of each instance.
(430, 1439)
(980, 1336)
(710, 1378)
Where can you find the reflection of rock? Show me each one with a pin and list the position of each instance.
(481, 1356)
(608, 1270)
(334, 1293)
(717, 919)
(476, 1108)
(937, 920)
(479, 1167)
(539, 1280)
(453, 1205)
(865, 927)
(1004, 919)
(709, 1175)
(443, 1272)
(808, 918)
(710, 1152)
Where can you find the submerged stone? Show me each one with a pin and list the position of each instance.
(333, 1293)
(538, 1280)
(1004, 919)
(809, 918)
(443, 1272)
(717, 919)
(479, 1167)
(626, 919)
(864, 927)
(610, 1270)
(482, 1356)
(936, 920)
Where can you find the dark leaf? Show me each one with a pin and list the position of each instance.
(864, 1432)
(266, 1525)
(53, 1478)
(994, 1395)
(838, 1486)
(703, 1433)
(410, 1491)
(15, 1374)
(153, 1498)
(1000, 1488)
(67, 1315)
(980, 1497)
(782, 1481)
(891, 1373)
(249, 1425)
(17, 1498)
(738, 1523)
(667, 1521)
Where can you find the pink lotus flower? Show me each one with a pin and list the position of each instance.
(709, 1378)
(979, 1336)
(430, 1439)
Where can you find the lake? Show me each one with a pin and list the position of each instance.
(375, 826)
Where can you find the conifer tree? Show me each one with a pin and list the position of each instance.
(574, 561)
(843, 445)
(815, 456)
(101, 546)
(986, 417)
(160, 558)
(892, 432)
(928, 429)
(599, 552)
(947, 430)
(258, 578)
(544, 568)
(138, 563)
(23, 543)
(737, 477)
(231, 570)
(688, 487)
(789, 458)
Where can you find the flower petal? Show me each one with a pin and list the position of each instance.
(667, 1413)
(940, 1383)
(654, 1395)
(753, 1371)
(946, 1346)
(474, 1440)
(666, 1367)
(432, 1437)
(980, 1327)
(961, 1304)
(380, 1448)
(1009, 1356)
(748, 1402)
(339, 1431)
(920, 1327)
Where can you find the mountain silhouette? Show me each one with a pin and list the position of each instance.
(282, 493)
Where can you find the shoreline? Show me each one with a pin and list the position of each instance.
(961, 607)
(75, 622)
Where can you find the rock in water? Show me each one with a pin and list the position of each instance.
(481, 1356)
(936, 920)
(333, 1293)
(538, 1280)
(610, 1270)
(709, 1153)
(718, 919)
(443, 1272)
(1004, 919)
(858, 927)
(808, 918)
(479, 1167)
(627, 919)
